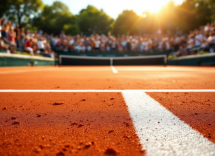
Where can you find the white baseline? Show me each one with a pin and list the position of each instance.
(161, 132)
(102, 91)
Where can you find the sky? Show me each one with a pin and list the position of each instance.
(114, 7)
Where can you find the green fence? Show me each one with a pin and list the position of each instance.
(193, 60)
(24, 60)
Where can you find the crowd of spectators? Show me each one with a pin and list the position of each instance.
(201, 39)
(13, 37)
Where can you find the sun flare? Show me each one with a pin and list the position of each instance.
(139, 6)
(156, 6)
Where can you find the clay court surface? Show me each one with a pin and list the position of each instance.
(140, 110)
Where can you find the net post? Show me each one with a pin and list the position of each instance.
(60, 61)
(165, 61)
(111, 61)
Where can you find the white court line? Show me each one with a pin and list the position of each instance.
(170, 136)
(114, 69)
(104, 91)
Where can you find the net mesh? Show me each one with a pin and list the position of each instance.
(131, 60)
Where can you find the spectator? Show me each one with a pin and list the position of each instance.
(211, 42)
(11, 38)
(3, 46)
(29, 46)
(190, 43)
(0, 28)
(198, 38)
(97, 44)
(41, 44)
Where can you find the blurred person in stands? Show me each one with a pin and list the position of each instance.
(64, 44)
(114, 44)
(18, 36)
(0, 27)
(92, 43)
(70, 44)
(86, 41)
(133, 45)
(190, 43)
(198, 38)
(211, 42)
(62, 35)
(89, 48)
(153, 45)
(176, 42)
(59, 44)
(22, 37)
(150, 42)
(97, 44)
(160, 44)
(107, 46)
(179, 51)
(4, 33)
(28, 46)
(123, 43)
(11, 38)
(3, 22)
(55, 41)
(40, 44)
(48, 46)
(78, 45)
(103, 45)
(167, 45)
(3, 46)
(34, 46)
(128, 44)
(27, 34)
(145, 45)
(83, 48)
(204, 45)
(141, 44)
(137, 45)
(119, 45)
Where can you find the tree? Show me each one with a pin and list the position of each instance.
(127, 21)
(22, 9)
(55, 18)
(203, 12)
(3, 7)
(93, 20)
(210, 6)
(71, 29)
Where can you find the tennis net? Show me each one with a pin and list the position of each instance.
(130, 60)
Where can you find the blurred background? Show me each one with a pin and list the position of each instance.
(117, 17)
(50, 28)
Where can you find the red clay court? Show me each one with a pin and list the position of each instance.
(106, 110)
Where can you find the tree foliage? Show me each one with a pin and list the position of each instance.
(54, 18)
(127, 21)
(21, 10)
(4, 6)
(185, 17)
(93, 20)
